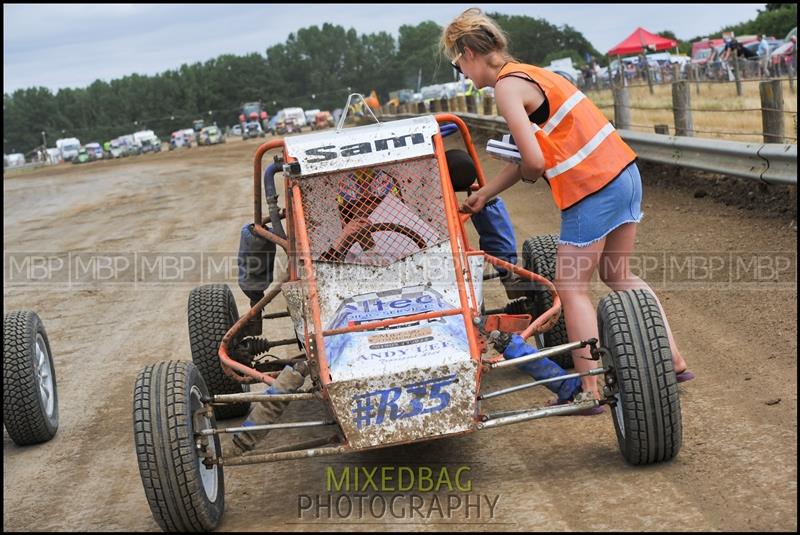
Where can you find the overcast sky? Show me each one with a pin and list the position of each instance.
(59, 46)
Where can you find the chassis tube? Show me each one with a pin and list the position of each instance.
(535, 414)
(394, 321)
(465, 135)
(264, 427)
(549, 317)
(283, 456)
(228, 364)
(549, 352)
(253, 397)
(304, 250)
(461, 271)
(490, 395)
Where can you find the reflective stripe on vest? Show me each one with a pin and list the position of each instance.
(582, 153)
(562, 112)
(582, 150)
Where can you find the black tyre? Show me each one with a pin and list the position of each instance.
(539, 256)
(212, 312)
(30, 396)
(642, 384)
(184, 494)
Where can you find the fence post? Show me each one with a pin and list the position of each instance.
(681, 109)
(421, 108)
(469, 100)
(647, 74)
(436, 105)
(622, 107)
(487, 105)
(696, 76)
(457, 103)
(443, 104)
(772, 110)
(736, 74)
(791, 81)
(676, 72)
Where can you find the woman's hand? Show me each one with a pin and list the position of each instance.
(475, 202)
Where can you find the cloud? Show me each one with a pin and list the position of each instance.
(72, 45)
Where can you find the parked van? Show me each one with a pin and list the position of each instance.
(69, 148)
(14, 160)
(116, 149)
(311, 116)
(95, 151)
(296, 115)
(53, 156)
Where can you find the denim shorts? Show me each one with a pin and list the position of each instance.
(595, 216)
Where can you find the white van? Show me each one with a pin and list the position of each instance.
(69, 148)
(311, 116)
(53, 156)
(15, 160)
(295, 114)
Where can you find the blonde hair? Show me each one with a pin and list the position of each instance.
(475, 30)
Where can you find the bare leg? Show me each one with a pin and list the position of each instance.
(574, 269)
(614, 270)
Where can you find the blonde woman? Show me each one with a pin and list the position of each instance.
(590, 170)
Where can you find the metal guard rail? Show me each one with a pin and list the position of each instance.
(771, 163)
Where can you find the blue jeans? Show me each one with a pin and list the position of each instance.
(496, 234)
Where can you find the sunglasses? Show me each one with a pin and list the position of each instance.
(455, 65)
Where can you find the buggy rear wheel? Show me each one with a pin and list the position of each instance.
(184, 494)
(539, 256)
(212, 312)
(30, 397)
(641, 383)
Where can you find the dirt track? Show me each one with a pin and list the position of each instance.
(737, 469)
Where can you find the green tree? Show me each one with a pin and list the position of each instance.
(684, 47)
(775, 20)
(315, 67)
(419, 56)
(532, 40)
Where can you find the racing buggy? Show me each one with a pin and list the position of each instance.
(385, 298)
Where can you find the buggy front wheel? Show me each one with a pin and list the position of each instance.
(184, 488)
(30, 397)
(212, 312)
(640, 383)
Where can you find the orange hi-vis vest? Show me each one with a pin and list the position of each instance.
(582, 151)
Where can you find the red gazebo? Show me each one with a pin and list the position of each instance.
(640, 40)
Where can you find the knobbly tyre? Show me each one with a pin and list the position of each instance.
(30, 397)
(385, 296)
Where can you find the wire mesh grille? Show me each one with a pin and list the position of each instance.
(374, 215)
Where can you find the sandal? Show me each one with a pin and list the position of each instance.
(684, 376)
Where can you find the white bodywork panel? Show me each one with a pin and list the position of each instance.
(361, 146)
